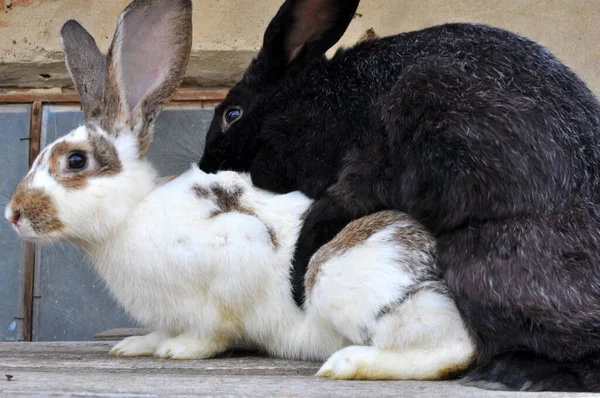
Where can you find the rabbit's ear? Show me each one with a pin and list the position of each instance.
(306, 28)
(147, 61)
(86, 65)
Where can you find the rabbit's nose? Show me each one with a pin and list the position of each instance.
(14, 217)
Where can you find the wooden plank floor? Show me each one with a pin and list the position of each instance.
(86, 370)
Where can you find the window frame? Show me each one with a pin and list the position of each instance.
(37, 100)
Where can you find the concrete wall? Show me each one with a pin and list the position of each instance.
(227, 33)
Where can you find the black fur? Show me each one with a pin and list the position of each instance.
(481, 135)
(528, 372)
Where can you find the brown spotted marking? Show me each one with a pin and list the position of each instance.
(200, 191)
(352, 235)
(36, 207)
(58, 151)
(413, 236)
(229, 201)
(106, 156)
(368, 35)
(107, 161)
(74, 181)
(273, 237)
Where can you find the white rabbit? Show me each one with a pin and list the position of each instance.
(204, 259)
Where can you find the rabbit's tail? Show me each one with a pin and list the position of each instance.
(530, 372)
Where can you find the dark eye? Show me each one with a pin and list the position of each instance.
(232, 114)
(76, 161)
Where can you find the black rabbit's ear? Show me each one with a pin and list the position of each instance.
(305, 28)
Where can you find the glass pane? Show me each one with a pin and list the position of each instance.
(14, 159)
(58, 121)
(74, 304)
(179, 138)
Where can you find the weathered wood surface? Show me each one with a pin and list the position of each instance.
(86, 370)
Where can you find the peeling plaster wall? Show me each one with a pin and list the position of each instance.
(227, 33)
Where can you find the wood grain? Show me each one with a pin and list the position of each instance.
(35, 131)
(86, 370)
(182, 95)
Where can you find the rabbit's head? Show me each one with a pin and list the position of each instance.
(84, 183)
(297, 37)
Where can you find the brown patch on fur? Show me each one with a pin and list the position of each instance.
(352, 235)
(273, 237)
(106, 156)
(413, 237)
(36, 207)
(58, 151)
(229, 201)
(72, 182)
(104, 153)
(200, 191)
(368, 35)
(20, 190)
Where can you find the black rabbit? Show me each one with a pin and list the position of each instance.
(482, 135)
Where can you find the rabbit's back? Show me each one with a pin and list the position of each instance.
(503, 125)
(220, 217)
(187, 236)
(510, 92)
(485, 54)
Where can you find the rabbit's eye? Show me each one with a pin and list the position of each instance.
(231, 115)
(76, 161)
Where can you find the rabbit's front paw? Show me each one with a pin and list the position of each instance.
(350, 363)
(187, 347)
(138, 346)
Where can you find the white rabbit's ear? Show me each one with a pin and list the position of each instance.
(86, 65)
(146, 62)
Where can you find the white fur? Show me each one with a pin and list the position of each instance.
(203, 282)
